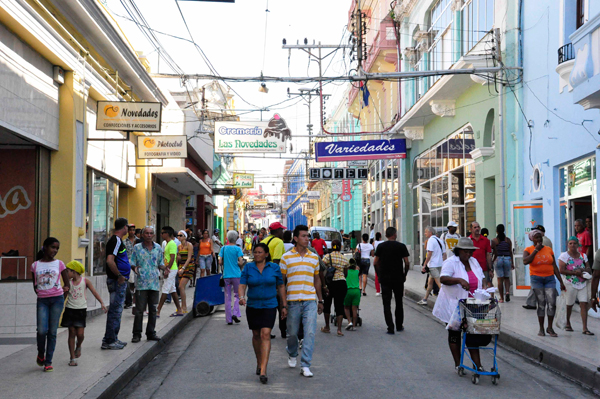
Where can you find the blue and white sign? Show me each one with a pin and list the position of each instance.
(359, 150)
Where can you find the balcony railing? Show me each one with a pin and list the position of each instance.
(566, 53)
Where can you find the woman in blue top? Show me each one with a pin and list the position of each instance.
(263, 280)
(231, 260)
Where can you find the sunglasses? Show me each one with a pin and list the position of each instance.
(179, 235)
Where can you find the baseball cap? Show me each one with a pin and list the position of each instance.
(276, 225)
(452, 223)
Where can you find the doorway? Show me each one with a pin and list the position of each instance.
(162, 216)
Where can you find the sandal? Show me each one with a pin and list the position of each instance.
(48, 369)
(40, 361)
(551, 333)
(568, 328)
(176, 314)
(78, 352)
(325, 330)
(72, 362)
(340, 334)
(588, 332)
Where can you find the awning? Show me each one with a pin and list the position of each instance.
(209, 205)
(182, 180)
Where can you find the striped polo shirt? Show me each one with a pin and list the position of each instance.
(300, 272)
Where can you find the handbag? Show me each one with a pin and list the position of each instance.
(358, 255)
(330, 273)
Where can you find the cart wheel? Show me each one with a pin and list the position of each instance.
(359, 322)
(194, 313)
(461, 371)
(475, 379)
(495, 380)
(203, 309)
(493, 369)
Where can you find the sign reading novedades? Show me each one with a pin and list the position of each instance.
(128, 116)
(359, 150)
(232, 137)
(162, 147)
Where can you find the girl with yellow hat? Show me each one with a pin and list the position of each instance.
(76, 308)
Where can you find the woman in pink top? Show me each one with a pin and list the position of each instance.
(46, 273)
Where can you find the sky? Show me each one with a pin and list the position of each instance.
(232, 36)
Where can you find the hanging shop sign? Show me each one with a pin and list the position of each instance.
(360, 150)
(336, 187)
(162, 147)
(358, 163)
(338, 173)
(243, 180)
(260, 206)
(224, 191)
(346, 190)
(235, 137)
(128, 116)
(313, 195)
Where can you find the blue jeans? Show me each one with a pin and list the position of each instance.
(503, 266)
(305, 311)
(543, 282)
(48, 316)
(115, 309)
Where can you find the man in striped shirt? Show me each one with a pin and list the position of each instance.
(300, 269)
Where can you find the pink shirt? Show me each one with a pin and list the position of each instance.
(472, 281)
(47, 278)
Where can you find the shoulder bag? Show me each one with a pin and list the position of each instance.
(330, 272)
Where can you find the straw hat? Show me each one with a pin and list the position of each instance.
(466, 243)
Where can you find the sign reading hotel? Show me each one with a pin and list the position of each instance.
(235, 137)
(243, 180)
(162, 147)
(128, 116)
(360, 150)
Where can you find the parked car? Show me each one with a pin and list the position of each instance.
(327, 233)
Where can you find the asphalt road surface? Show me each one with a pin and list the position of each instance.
(210, 359)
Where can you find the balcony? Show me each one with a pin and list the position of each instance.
(566, 60)
(585, 75)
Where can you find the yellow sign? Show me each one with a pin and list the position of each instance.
(243, 180)
(128, 116)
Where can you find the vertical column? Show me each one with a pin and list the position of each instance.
(457, 30)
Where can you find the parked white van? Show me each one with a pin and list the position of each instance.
(327, 233)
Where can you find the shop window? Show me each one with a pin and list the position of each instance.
(24, 209)
(104, 205)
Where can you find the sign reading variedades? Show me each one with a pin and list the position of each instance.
(243, 180)
(232, 137)
(162, 147)
(358, 150)
(124, 116)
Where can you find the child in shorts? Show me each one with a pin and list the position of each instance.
(76, 308)
(352, 299)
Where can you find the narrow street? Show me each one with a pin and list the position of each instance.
(210, 359)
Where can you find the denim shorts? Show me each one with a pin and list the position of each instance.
(503, 266)
(365, 265)
(538, 282)
(204, 261)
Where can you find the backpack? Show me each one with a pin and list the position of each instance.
(269, 255)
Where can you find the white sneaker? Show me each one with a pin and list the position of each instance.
(291, 362)
(305, 371)
(349, 326)
(422, 302)
(377, 294)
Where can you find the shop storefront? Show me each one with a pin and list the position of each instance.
(444, 187)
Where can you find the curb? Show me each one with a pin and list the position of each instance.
(557, 361)
(115, 380)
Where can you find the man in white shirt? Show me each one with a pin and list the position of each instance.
(450, 238)
(433, 262)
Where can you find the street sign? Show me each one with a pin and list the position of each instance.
(358, 163)
(224, 191)
(269, 205)
(360, 150)
(338, 173)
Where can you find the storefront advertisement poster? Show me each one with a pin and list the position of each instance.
(162, 147)
(360, 150)
(242, 136)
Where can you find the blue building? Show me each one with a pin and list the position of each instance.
(294, 187)
(560, 96)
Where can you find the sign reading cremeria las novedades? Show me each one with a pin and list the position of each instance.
(162, 147)
(128, 116)
(358, 150)
(252, 136)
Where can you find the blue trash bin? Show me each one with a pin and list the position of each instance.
(207, 295)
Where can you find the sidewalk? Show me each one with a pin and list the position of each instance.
(572, 354)
(98, 372)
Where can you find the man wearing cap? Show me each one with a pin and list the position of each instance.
(147, 262)
(276, 249)
(450, 238)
